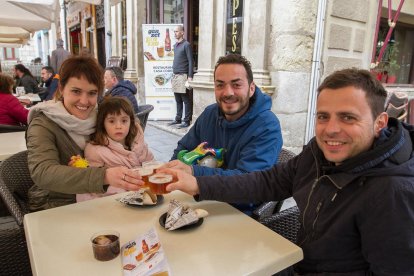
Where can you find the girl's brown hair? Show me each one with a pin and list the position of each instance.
(114, 105)
(80, 66)
(6, 84)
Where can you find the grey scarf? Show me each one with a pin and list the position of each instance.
(79, 130)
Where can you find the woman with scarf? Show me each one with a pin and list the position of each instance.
(57, 135)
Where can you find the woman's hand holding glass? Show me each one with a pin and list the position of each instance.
(122, 177)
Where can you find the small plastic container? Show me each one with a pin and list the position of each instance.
(105, 245)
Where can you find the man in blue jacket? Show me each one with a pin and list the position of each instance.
(50, 83)
(241, 122)
(117, 86)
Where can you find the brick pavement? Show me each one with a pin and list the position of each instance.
(162, 139)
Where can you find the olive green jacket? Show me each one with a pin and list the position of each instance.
(50, 149)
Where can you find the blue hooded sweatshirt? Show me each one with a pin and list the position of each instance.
(125, 88)
(252, 142)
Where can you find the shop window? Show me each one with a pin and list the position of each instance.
(173, 11)
(9, 53)
(124, 29)
(154, 15)
(396, 64)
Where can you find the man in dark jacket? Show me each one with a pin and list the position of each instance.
(50, 83)
(117, 86)
(353, 183)
(241, 122)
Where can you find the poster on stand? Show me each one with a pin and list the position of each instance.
(158, 40)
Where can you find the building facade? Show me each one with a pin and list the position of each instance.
(292, 45)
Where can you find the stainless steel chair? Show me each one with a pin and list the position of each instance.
(271, 207)
(15, 182)
(143, 113)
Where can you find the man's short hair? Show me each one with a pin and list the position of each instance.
(236, 59)
(116, 72)
(180, 28)
(59, 42)
(49, 69)
(362, 79)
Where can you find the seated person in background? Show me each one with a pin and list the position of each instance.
(59, 130)
(353, 183)
(117, 86)
(117, 141)
(12, 111)
(241, 122)
(50, 82)
(25, 78)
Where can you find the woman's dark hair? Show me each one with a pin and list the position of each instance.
(375, 93)
(81, 66)
(6, 84)
(114, 105)
(23, 69)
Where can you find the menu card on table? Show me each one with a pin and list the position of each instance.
(145, 256)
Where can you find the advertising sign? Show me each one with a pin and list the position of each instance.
(158, 40)
(234, 33)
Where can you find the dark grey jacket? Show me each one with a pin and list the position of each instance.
(127, 89)
(29, 84)
(355, 218)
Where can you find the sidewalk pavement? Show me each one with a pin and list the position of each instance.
(162, 139)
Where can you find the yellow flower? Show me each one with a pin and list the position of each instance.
(78, 162)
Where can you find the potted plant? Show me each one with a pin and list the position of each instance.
(392, 65)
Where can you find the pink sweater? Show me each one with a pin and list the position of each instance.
(115, 155)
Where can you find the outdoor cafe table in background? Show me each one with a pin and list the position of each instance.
(227, 243)
(11, 143)
(32, 97)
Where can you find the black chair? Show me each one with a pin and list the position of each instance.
(143, 113)
(10, 128)
(15, 182)
(271, 207)
(285, 223)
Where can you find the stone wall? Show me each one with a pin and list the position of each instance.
(350, 28)
(290, 55)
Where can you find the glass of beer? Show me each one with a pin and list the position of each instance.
(153, 165)
(158, 183)
(160, 51)
(145, 172)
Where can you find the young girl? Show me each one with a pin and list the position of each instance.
(117, 141)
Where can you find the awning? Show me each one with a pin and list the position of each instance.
(33, 16)
(21, 18)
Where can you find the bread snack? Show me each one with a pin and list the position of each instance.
(141, 197)
(129, 267)
(180, 215)
(149, 56)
